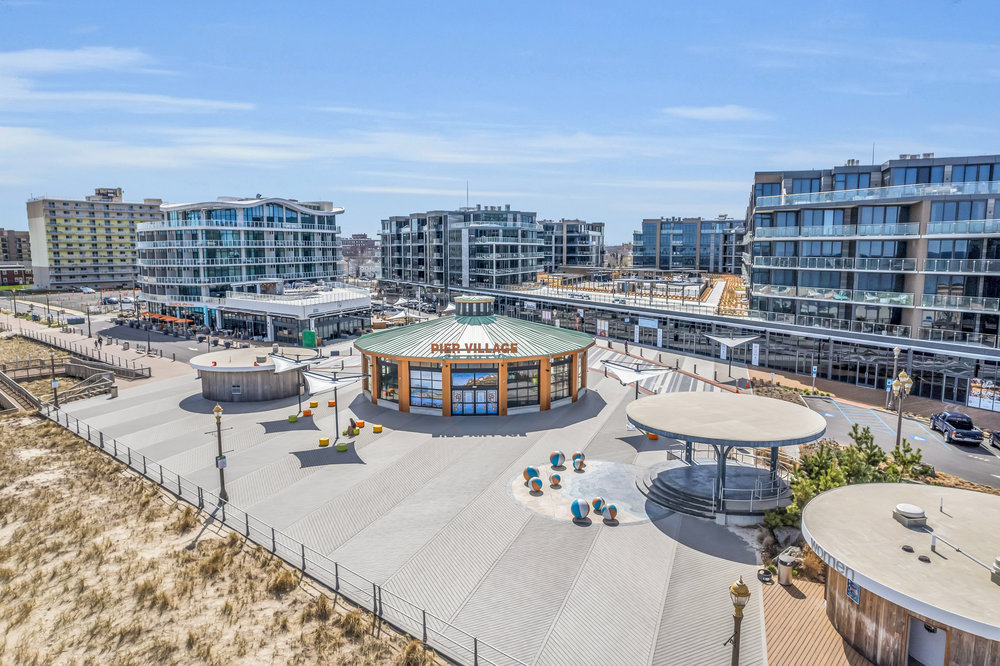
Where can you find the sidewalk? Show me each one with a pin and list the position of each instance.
(875, 399)
(705, 369)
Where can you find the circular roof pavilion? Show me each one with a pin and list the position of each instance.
(248, 374)
(726, 419)
(910, 561)
(465, 364)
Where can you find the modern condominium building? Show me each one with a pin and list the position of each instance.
(692, 244)
(15, 247)
(485, 246)
(570, 243)
(86, 243)
(909, 248)
(196, 253)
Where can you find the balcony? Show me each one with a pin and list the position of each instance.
(964, 227)
(850, 325)
(971, 303)
(965, 337)
(838, 263)
(877, 194)
(839, 231)
(860, 296)
(962, 265)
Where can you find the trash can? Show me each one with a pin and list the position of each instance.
(114, 390)
(785, 565)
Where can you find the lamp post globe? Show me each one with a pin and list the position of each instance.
(739, 593)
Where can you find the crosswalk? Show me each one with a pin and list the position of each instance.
(860, 415)
(671, 382)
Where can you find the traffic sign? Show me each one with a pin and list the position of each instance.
(220, 462)
(814, 371)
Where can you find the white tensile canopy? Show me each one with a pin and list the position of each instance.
(318, 383)
(628, 374)
(282, 364)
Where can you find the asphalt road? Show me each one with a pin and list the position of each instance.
(973, 463)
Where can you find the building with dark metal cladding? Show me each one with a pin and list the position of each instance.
(474, 363)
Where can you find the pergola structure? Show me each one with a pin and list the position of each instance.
(726, 421)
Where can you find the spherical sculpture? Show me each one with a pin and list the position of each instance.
(578, 454)
(557, 458)
(580, 509)
(578, 464)
(598, 504)
(530, 472)
(555, 480)
(535, 484)
(609, 511)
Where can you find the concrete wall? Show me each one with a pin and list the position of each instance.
(254, 386)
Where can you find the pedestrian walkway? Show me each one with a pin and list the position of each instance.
(798, 630)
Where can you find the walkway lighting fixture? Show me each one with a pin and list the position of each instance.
(900, 389)
(740, 595)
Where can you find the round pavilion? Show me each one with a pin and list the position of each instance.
(474, 363)
(248, 374)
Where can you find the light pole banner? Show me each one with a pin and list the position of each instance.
(636, 336)
(602, 328)
(722, 351)
(755, 354)
(659, 337)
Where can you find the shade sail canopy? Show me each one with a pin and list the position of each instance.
(627, 374)
(726, 419)
(318, 383)
(731, 342)
(282, 364)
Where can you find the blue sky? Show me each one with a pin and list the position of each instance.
(605, 111)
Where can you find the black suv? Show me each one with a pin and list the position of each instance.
(957, 428)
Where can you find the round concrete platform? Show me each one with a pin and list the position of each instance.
(248, 375)
(615, 482)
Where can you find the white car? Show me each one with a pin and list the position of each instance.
(87, 290)
(128, 300)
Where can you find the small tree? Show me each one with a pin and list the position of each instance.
(905, 458)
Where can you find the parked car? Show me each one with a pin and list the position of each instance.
(128, 300)
(957, 428)
(87, 290)
(110, 300)
(995, 438)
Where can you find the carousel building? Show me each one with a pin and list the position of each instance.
(474, 363)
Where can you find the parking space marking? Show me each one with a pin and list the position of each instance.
(933, 436)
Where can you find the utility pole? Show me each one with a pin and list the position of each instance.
(48, 312)
(88, 322)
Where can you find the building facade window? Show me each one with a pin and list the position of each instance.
(852, 181)
(425, 385)
(522, 383)
(560, 377)
(388, 380)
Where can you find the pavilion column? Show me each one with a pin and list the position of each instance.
(774, 462)
(365, 381)
(586, 371)
(403, 382)
(502, 387)
(545, 385)
(445, 388)
(375, 379)
(573, 379)
(688, 451)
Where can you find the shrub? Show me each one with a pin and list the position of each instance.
(186, 521)
(355, 624)
(282, 582)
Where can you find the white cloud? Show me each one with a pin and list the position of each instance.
(19, 91)
(725, 112)
(41, 61)
(357, 111)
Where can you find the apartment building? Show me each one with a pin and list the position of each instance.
(88, 242)
(198, 252)
(15, 247)
(909, 248)
(689, 244)
(485, 246)
(572, 243)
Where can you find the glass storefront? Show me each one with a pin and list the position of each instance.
(522, 383)
(475, 389)
(561, 366)
(425, 385)
(388, 380)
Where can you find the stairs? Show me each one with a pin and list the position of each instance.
(658, 492)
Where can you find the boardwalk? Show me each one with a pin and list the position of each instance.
(798, 631)
(425, 510)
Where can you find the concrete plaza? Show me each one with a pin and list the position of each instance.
(427, 510)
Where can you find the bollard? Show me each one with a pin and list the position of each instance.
(696, 368)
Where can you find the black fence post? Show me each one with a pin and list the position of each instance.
(475, 651)
(100, 436)
(303, 557)
(424, 621)
(201, 498)
(336, 576)
(161, 478)
(180, 492)
(246, 520)
(144, 465)
(274, 543)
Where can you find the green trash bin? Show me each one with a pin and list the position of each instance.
(309, 339)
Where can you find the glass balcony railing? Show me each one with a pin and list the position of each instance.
(962, 265)
(965, 337)
(839, 231)
(862, 296)
(964, 227)
(872, 194)
(852, 325)
(837, 263)
(976, 303)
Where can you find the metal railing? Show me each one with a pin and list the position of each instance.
(961, 227)
(976, 303)
(838, 231)
(880, 193)
(967, 337)
(121, 367)
(838, 263)
(18, 393)
(962, 265)
(436, 632)
(863, 296)
(852, 325)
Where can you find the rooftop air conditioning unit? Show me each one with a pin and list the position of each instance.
(928, 156)
(909, 515)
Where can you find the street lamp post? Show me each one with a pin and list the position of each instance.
(740, 595)
(895, 363)
(88, 322)
(220, 462)
(900, 389)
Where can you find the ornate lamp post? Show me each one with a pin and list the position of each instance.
(900, 389)
(895, 364)
(740, 594)
(220, 462)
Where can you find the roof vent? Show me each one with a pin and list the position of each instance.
(909, 515)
